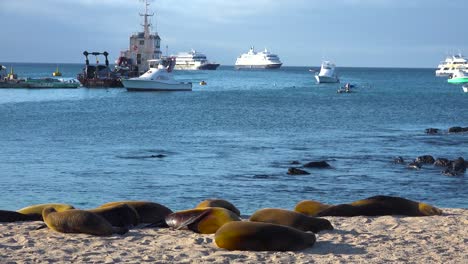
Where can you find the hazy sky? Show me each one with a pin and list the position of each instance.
(381, 33)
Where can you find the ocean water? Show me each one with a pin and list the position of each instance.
(234, 139)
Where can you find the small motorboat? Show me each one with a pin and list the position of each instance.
(345, 89)
(460, 76)
(327, 73)
(159, 77)
(465, 88)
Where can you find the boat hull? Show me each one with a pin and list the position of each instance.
(266, 66)
(326, 79)
(458, 80)
(154, 86)
(207, 66)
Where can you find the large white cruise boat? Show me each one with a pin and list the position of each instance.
(194, 60)
(452, 65)
(258, 60)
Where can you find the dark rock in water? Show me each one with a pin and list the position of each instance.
(465, 129)
(414, 165)
(159, 156)
(296, 171)
(432, 131)
(427, 159)
(295, 162)
(398, 160)
(456, 130)
(456, 167)
(442, 162)
(317, 164)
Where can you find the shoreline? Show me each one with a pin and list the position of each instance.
(434, 239)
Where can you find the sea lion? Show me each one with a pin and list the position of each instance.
(12, 216)
(426, 159)
(296, 171)
(149, 212)
(79, 221)
(219, 203)
(202, 220)
(292, 219)
(382, 205)
(311, 208)
(317, 164)
(38, 208)
(121, 215)
(256, 236)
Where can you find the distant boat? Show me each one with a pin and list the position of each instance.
(327, 73)
(451, 65)
(194, 60)
(57, 73)
(159, 77)
(465, 88)
(258, 60)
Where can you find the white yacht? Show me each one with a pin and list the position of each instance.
(451, 65)
(159, 77)
(194, 60)
(327, 73)
(258, 60)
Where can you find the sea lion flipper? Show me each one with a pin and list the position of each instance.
(42, 226)
(193, 219)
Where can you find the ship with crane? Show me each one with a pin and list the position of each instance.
(143, 46)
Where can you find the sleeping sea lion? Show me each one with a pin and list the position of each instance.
(12, 216)
(79, 221)
(202, 220)
(256, 236)
(292, 219)
(311, 208)
(381, 205)
(219, 203)
(38, 208)
(149, 212)
(121, 215)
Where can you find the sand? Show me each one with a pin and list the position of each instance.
(387, 239)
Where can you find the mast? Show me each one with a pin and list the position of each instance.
(148, 49)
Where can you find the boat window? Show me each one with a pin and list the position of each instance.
(142, 42)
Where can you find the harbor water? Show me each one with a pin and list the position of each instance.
(234, 138)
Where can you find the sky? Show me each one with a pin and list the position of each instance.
(352, 33)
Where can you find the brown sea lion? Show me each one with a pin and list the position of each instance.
(79, 221)
(202, 220)
(149, 212)
(381, 205)
(311, 208)
(12, 216)
(121, 215)
(291, 219)
(254, 236)
(38, 208)
(219, 203)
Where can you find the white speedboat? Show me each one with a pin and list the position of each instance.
(194, 60)
(258, 60)
(327, 73)
(465, 88)
(159, 77)
(451, 65)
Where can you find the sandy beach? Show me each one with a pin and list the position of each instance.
(435, 239)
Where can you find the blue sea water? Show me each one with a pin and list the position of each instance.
(234, 139)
